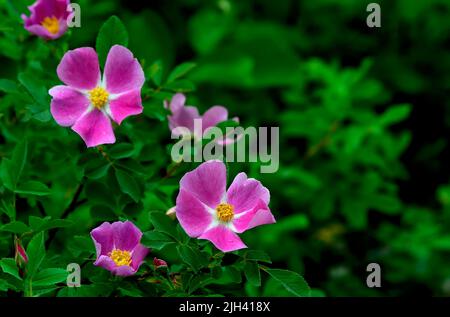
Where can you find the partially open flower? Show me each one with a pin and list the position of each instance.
(118, 247)
(182, 118)
(206, 210)
(48, 18)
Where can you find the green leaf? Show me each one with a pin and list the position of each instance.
(128, 184)
(122, 150)
(9, 266)
(33, 188)
(395, 114)
(11, 170)
(49, 277)
(163, 223)
(180, 71)
(256, 255)
(156, 240)
(155, 72)
(7, 85)
(251, 271)
(192, 257)
(292, 281)
(36, 254)
(181, 85)
(111, 33)
(4, 286)
(17, 227)
(35, 88)
(42, 224)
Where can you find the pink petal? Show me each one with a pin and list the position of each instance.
(122, 71)
(67, 105)
(192, 214)
(125, 105)
(126, 235)
(124, 270)
(244, 193)
(39, 30)
(106, 262)
(214, 116)
(139, 254)
(177, 102)
(207, 182)
(259, 215)
(224, 239)
(95, 128)
(184, 117)
(48, 8)
(79, 68)
(103, 239)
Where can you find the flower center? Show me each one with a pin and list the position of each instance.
(225, 212)
(99, 97)
(51, 24)
(121, 258)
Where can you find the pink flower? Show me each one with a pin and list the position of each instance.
(89, 101)
(48, 18)
(118, 247)
(183, 116)
(206, 210)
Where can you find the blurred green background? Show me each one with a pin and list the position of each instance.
(364, 120)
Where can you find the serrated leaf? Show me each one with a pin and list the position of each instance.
(163, 223)
(35, 88)
(155, 72)
(252, 273)
(49, 276)
(36, 254)
(111, 33)
(180, 71)
(17, 227)
(9, 266)
(32, 188)
(156, 240)
(292, 281)
(256, 255)
(122, 150)
(128, 184)
(7, 85)
(192, 257)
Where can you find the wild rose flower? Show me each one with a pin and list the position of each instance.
(88, 102)
(48, 18)
(118, 247)
(206, 210)
(183, 117)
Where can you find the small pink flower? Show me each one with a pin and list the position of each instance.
(118, 247)
(89, 101)
(206, 210)
(183, 116)
(48, 18)
(159, 263)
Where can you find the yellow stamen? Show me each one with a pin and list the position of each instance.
(51, 24)
(99, 97)
(225, 212)
(121, 258)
